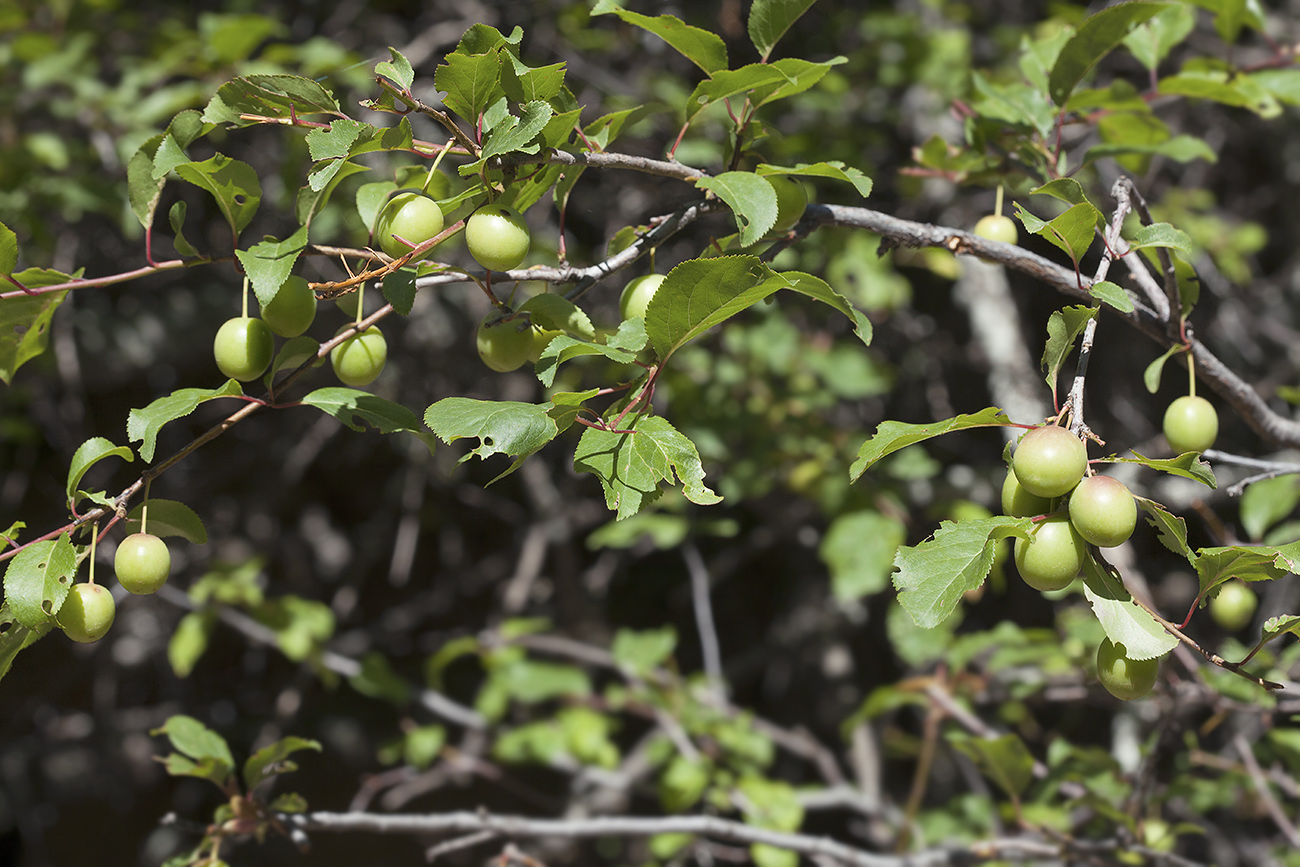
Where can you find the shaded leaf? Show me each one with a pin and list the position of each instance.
(1124, 622)
(859, 550)
(706, 50)
(270, 262)
(169, 518)
(1151, 376)
(233, 183)
(25, 319)
(833, 169)
(1189, 466)
(279, 96)
(210, 755)
(1216, 565)
(751, 199)
(1096, 37)
(1171, 530)
(1005, 760)
(891, 436)
(143, 425)
(770, 19)
(270, 760)
(352, 407)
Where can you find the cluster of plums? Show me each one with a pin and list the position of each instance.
(142, 564)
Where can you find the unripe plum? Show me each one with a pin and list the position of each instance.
(87, 612)
(1123, 677)
(1049, 461)
(1052, 556)
(1103, 511)
(1191, 424)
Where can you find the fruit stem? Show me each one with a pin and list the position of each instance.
(244, 298)
(997, 207)
(144, 508)
(94, 537)
(1191, 374)
(361, 300)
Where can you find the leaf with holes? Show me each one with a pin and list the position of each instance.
(632, 465)
(751, 199)
(504, 427)
(233, 183)
(37, 580)
(25, 319)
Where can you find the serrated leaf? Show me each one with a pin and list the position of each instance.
(621, 348)
(264, 95)
(208, 754)
(933, 576)
(730, 82)
(143, 424)
(1072, 231)
(502, 426)
(1123, 621)
(752, 201)
(270, 262)
(1068, 190)
(1063, 328)
(8, 249)
(891, 436)
(797, 76)
(1151, 376)
(1005, 760)
(233, 183)
(1280, 625)
(169, 518)
(1109, 293)
(352, 407)
(25, 319)
(523, 84)
(519, 135)
(701, 293)
(271, 760)
(1015, 103)
(632, 466)
(336, 139)
(1216, 565)
(143, 189)
(399, 290)
(1163, 235)
(89, 453)
(1096, 37)
(38, 578)
(706, 50)
(472, 82)
(832, 169)
(1171, 530)
(770, 19)
(398, 69)
(1188, 465)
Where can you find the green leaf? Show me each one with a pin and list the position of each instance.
(518, 135)
(399, 290)
(1181, 148)
(144, 424)
(1284, 84)
(1163, 235)
(271, 760)
(1274, 627)
(621, 347)
(770, 19)
(15, 638)
(554, 312)
(632, 465)
(336, 139)
(176, 216)
(933, 576)
(280, 96)
(292, 353)
(1266, 502)
(1005, 760)
(1015, 103)
(1216, 565)
(1063, 328)
(730, 82)
(1171, 530)
(398, 69)
(832, 169)
(472, 82)
(1222, 86)
(640, 652)
(37, 580)
(1151, 376)
(1123, 621)
(269, 263)
(523, 84)
(301, 626)
(815, 287)
(1189, 466)
(706, 50)
(1152, 41)
(232, 183)
(89, 453)
(1072, 231)
(169, 518)
(797, 76)
(189, 640)
(143, 189)
(25, 319)
(751, 199)
(1096, 37)
(210, 755)
(1068, 190)
(502, 427)
(376, 679)
(701, 293)
(859, 549)
(8, 250)
(891, 436)
(352, 407)
(1109, 293)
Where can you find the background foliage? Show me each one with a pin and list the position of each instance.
(350, 580)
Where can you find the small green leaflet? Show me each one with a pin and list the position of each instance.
(352, 407)
(797, 74)
(144, 424)
(25, 319)
(1004, 760)
(1152, 41)
(621, 347)
(1063, 328)
(279, 96)
(269, 263)
(398, 69)
(169, 518)
(1096, 37)
(891, 436)
(472, 82)
(176, 217)
(503, 427)
(933, 576)
(706, 50)
(88, 454)
(190, 640)
(641, 652)
(770, 19)
(516, 134)
(1274, 627)
(273, 759)
(631, 466)
(147, 170)
(201, 752)
(1151, 376)
(1109, 293)
(751, 199)
(1071, 231)
(730, 82)
(1189, 466)
(1068, 190)
(832, 169)
(37, 580)
(233, 183)
(1124, 622)
(1163, 235)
